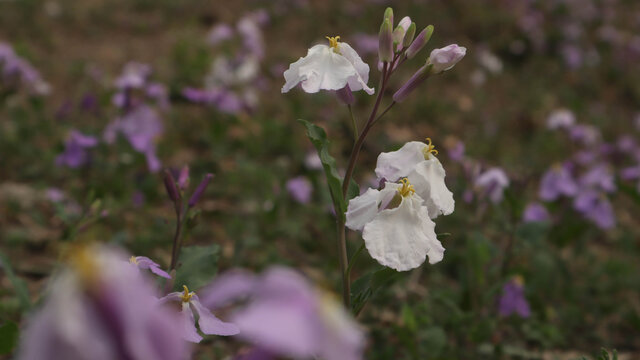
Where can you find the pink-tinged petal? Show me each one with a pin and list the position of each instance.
(144, 262)
(156, 270)
(211, 325)
(174, 296)
(231, 286)
(280, 325)
(189, 331)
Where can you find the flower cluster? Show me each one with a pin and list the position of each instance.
(16, 72)
(233, 82)
(396, 220)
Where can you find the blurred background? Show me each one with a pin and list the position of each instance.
(537, 128)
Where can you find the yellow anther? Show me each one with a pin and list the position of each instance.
(83, 262)
(430, 149)
(133, 260)
(333, 42)
(406, 189)
(186, 295)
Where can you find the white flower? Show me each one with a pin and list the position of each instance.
(396, 227)
(445, 58)
(417, 162)
(329, 68)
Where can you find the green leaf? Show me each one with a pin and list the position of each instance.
(318, 137)
(8, 338)
(352, 191)
(364, 288)
(197, 266)
(19, 285)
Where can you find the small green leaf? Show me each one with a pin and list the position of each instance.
(8, 338)
(318, 137)
(198, 265)
(19, 285)
(364, 288)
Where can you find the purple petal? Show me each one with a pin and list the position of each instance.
(209, 324)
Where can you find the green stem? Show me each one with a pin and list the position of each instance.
(353, 259)
(344, 262)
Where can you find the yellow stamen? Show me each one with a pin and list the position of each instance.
(333, 42)
(430, 149)
(406, 189)
(133, 260)
(82, 261)
(186, 295)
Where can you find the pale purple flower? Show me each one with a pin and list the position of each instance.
(535, 212)
(572, 55)
(207, 322)
(285, 315)
(561, 119)
(596, 207)
(600, 176)
(445, 58)
(101, 308)
(141, 127)
(585, 134)
(456, 153)
(492, 183)
(226, 101)
(365, 44)
(143, 262)
(219, 33)
(312, 160)
(16, 71)
(627, 144)
(557, 181)
(54, 195)
(249, 28)
(630, 173)
(134, 75)
(512, 300)
(183, 177)
(300, 189)
(75, 153)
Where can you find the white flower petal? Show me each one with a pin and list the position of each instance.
(358, 82)
(397, 164)
(402, 237)
(428, 180)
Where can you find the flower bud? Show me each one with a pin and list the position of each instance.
(408, 36)
(421, 40)
(421, 75)
(398, 36)
(345, 95)
(200, 190)
(183, 177)
(445, 58)
(170, 185)
(385, 42)
(388, 15)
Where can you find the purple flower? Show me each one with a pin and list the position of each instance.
(512, 300)
(140, 127)
(585, 134)
(535, 212)
(492, 182)
(288, 317)
(208, 323)
(225, 101)
(595, 207)
(219, 33)
(16, 71)
(630, 173)
(183, 177)
(557, 181)
(456, 153)
(300, 189)
(54, 195)
(143, 262)
(134, 76)
(599, 176)
(561, 119)
(75, 153)
(101, 308)
(249, 28)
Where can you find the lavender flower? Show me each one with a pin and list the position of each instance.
(595, 207)
(557, 181)
(208, 323)
(300, 189)
(143, 262)
(75, 153)
(512, 300)
(561, 119)
(492, 183)
(535, 212)
(101, 308)
(16, 71)
(599, 176)
(288, 317)
(140, 127)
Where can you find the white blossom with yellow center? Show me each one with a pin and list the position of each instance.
(329, 68)
(395, 225)
(417, 162)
